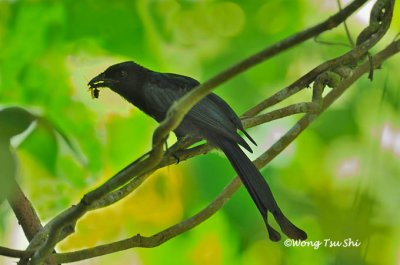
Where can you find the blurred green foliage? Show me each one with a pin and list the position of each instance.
(338, 180)
(13, 121)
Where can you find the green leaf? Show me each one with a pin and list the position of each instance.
(13, 121)
(7, 169)
(67, 140)
(42, 145)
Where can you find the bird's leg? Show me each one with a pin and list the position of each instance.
(182, 143)
(176, 158)
(167, 150)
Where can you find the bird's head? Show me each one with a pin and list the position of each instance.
(121, 78)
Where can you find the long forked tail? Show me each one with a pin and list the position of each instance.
(259, 190)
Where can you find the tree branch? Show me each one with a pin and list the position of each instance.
(163, 236)
(27, 218)
(13, 253)
(25, 213)
(53, 231)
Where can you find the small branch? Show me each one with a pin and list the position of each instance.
(157, 239)
(27, 218)
(290, 110)
(119, 194)
(13, 253)
(25, 213)
(346, 28)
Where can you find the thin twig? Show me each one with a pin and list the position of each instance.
(14, 253)
(324, 42)
(290, 110)
(346, 28)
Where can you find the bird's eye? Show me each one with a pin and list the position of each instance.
(123, 73)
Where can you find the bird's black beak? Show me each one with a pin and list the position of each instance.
(101, 81)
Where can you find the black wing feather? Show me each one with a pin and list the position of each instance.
(210, 112)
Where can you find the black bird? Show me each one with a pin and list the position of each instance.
(211, 119)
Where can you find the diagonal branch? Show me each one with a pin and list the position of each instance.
(27, 218)
(13, 253)
(25, 213)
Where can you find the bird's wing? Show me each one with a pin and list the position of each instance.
(187, 83)
(209, 113)
(231, 114)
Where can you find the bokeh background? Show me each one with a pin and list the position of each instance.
(338, 180)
